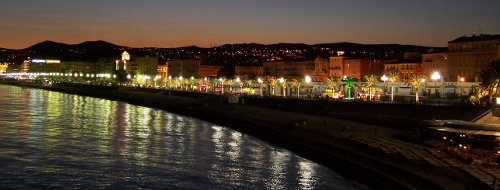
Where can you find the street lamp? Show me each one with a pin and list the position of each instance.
(308, 80)
(260, 81)
(238, 80)
(384, 78)
(156, 78)
(222, 85)
(435, 76)
(283, 86)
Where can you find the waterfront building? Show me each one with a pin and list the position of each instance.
(105, 65)
(25, 66)
(184, 68)
(341, 66)
(406, 69)
(469, 55)
(321, 70)
(336, 67)
(297, 69)
(358, 68)
(248, 71)
(137, 65)
(78, 67)
(209, 71)
(191, 68)
(435, 62)
(163, 70)
(44, 66)
(3, 67)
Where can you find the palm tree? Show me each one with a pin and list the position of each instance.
(370, 79)
(213, 81)
(230, 83)
(393, 74)
(176, 83)
(284, 85)
(222, 81)
(272, 82)
(296, 84)
(249, 83)
(415, 81)
(187, 83)
(200, 84)
(333, 84)
(490, 81)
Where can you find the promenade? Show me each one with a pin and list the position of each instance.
(370, 153)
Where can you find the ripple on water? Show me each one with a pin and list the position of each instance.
(56, 140)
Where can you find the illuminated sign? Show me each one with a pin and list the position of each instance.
(45, 61)
(52, 61)
(37, 61)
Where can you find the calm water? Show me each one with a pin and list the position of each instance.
(55, 140)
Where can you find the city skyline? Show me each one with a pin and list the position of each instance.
(208, 23)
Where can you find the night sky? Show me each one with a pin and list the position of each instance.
(174, 23)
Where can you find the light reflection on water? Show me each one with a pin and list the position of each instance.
(55, 140)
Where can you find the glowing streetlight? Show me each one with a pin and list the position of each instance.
(156, 78)
(308, 79)
(384, 79)
(221, 85)
(435, 76)
(283, 86)
(260, 81)
(238, 80)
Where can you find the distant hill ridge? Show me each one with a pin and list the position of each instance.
(101, 44)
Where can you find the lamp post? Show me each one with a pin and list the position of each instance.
(260, 81)
(282, 80)
(156, 78)
(435, 76)
(384, 78)
(221, 85)
(238, 80)
(169, 82)
(180, 81)
(206, 85)
(307, 79)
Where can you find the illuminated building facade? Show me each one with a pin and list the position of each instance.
(43, 65)
(3, 67)
(209, 70)
(358, 68)
(184, 68)
(336, 67)
(406, 69)
(341, 66)
(78, 67)
(468, 56)
(248, 71)
(297, 69)
(163, 71)
(435, 62)
(137, 65)
(321, 70)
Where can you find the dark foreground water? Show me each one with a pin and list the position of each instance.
(52, 140)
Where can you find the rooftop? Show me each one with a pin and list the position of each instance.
(482, 37)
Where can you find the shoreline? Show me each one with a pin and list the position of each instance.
(330, 146)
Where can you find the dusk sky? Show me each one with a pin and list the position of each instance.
(175, 23)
